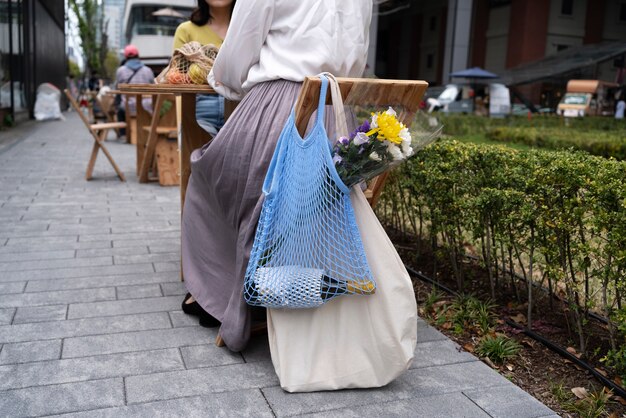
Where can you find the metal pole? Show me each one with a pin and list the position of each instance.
(11, 93)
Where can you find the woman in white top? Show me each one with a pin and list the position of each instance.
(271, 46)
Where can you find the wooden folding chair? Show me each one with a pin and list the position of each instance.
(107, 110)
(99, 132)
(404, 94)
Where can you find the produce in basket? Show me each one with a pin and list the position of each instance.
(190, 64)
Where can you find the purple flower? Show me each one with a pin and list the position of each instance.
(360, 138)
(365, 127)
(337, 159)
(344, 141)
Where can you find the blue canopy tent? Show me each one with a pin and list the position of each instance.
(473, 74)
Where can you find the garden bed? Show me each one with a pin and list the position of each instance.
(536, 369)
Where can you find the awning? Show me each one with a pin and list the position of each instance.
(562, 63)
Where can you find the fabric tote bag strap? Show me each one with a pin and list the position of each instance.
(341, 126)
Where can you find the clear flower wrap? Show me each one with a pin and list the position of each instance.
(381, 143)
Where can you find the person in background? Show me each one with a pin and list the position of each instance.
(208, 25)
(269, 50)
(619, 107)
(132, 71)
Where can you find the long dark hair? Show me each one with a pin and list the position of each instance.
(202, 15)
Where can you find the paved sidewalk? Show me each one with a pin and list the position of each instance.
(90, 320)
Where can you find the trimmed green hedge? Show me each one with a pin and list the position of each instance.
(605, 137)
(456, 124)
(602, 143)
(556, 218)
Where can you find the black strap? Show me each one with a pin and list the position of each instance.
(118, 97)
(132, 75)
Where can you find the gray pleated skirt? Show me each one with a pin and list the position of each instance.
(223, 203)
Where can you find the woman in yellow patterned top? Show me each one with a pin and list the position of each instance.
(208, 25)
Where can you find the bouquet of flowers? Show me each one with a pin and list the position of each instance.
(378, 145)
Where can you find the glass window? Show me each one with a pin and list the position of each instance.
(576, 98)
(11, 56)
(567, 7)
(433, 23)
(429, 61)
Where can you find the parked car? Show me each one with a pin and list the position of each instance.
(587, 97)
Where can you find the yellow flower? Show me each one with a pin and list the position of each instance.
(389, 128)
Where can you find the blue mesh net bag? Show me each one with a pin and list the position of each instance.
(307, 248)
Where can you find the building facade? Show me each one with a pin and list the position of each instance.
(419, 39)
(32, 51)
(113, 16)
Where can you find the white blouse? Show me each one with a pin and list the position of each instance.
(291, 39)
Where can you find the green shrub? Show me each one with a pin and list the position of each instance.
(498, 349)
(557, 218)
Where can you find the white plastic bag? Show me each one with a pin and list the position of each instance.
(48, 102)
(352, 341)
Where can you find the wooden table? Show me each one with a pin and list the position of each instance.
(190, 134)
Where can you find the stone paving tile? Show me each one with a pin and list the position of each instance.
(181, 319)
(44, 247)
(164, 248)
(137, 341)
(508, 402)
(150, 258)
(146, 227)
(57, 297)
(437, 353)
(173, 266)
(57, 399)
(12, 287)
(208, 355)
(174, 288)
(28, 314)
(52, 240)
(257, 350)
(81, 327)
(156, 235)
(119, 307)
(28, 352)
(421, 382)
(100, 281)
(37, 255)
(13, 276)
(453, 405)
(18, 229)
(160, 386)
(139, 291)
(55, 264)
(170, 243)
(6, 315)
(425, 332)
(88, 368)
(241, 403)
(99, 252)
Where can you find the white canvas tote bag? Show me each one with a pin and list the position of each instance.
(351, 341)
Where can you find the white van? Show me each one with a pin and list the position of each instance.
(457, 98)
